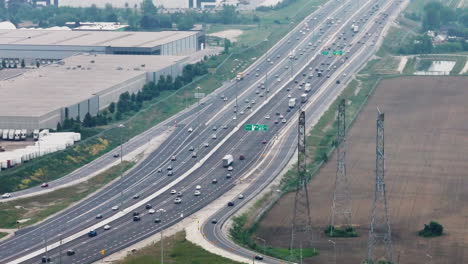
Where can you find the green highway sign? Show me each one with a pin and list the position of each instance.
(325, 52)
(338, 52)
(256, 127)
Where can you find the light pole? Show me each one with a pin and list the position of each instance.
(161, 211)
(334, 250)
(198, 95)
(121, 126)
(237, 93)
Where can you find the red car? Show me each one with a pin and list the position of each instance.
(44, 185)
(264, 141)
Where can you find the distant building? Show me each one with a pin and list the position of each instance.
(169, 4)
(96, 26)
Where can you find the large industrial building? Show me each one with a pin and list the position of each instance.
(77, 85)
(170, 4)
(46, 46)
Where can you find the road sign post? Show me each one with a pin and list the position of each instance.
(325, 52)
(256, 127)
(338, 52)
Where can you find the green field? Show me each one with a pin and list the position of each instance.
(3, 234)
(42, 206)
(177, 250)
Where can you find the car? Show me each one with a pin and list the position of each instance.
(241, 196)
(278, 113)
(159, 170)
(234, 118)
(115, 208)
(135, 213)
(258, 257)
(264, 141)
(136, 196)
(151, 211)
(225, 99)
(230, 168)
(214, 128)
(173, 191)
(257, 91)
(213, 136)
(338, 82)
(228, 176)
(44, 185)
(278, 80)
(99, 216)
(179, 194)
(191, 148)
(173, 158)
(6, 195)
(253, 102)
(256, 74)
(45, 259)
(221, 96)
(241, 157)
(289, 96)
(198, 187)
(225, 126)
(230, 204)
(214, 181)
(148, 206)
(169, 168)
(249, 106)
(288, 89)
(276, 121)
(197, 193)
(92, 233)
(281, 116)
(136, 218)
(194, 154)
(177, 200)
(107, 227)
(241, 112)
(70, 252)
(283, 121)
(170, 173)
(157, 220)
(190, 129)
(214, 221)
(261, 95)
(116, 155)
(206, 144)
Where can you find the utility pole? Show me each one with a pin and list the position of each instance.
(161, 211)
(380, 232)
(301, 224)
(341, 207)
(121, 126)
(237, 93)
(334, 250)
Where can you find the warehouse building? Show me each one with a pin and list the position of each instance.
(169, 4)
(47, 46)
(76, 86)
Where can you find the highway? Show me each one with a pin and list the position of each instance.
(153, 187)
(214, 233)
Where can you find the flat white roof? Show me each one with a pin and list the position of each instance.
(90, 38)
(41, 91)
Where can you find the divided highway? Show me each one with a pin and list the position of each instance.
(150, 181)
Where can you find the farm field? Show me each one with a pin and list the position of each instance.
(426, 139)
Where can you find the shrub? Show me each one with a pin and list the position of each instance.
(432, 230)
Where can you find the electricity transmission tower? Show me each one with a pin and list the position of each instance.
(341, 208)
(301, 225)
(380, 232)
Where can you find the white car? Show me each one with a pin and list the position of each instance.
(190, 129)
(115, 208)
(197, 193)
(225, 127)
(289, 96)
(241, 196)
(253, 102)
(230, 168)
(177, 200)
(107, 227)
(173, 191)
(225, 99)
(241, 112)
(283, 121)
(207, 144)
(6, 195)
(213, 136)
(198, 187)
(151, 211)
(267, 117)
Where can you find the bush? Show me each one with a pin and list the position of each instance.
(347, 231)
(432, 230)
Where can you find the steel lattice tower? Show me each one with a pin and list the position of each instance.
(301, 224)
(341, 208)
(380, 232)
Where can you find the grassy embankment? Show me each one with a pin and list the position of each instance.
(273, 26)
(3, 234)
(40, 207)
(177, 250)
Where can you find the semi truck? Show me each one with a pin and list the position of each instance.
(292, 103)
(11, 134)
(240, 76)
(17, 134)
(5, 134)
(24, 134)
(303, 98)
(307, 87)
(227, 160)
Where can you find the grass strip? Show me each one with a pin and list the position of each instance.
(177, 250)
(3, 234)
(42, 206)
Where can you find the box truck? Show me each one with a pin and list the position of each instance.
(292, 103)
(307, 87)
(227, 160)
(303, 98)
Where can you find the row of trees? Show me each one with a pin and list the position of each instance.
(131, 103)
(145, 16)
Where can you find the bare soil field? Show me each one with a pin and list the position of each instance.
(426, 140)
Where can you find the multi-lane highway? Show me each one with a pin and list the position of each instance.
(360, 54)
(150, 181)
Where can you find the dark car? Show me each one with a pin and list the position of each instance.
(70, 252)
(136, 213)
(338, 82)
(230, 204)
(99, 216)
(214, 221)
(116, 155)
(148, 206)
(157, 220)
(45, 259)
(241, 157)
(258, 257)
(92, 233)
(136, 218)
(45, 185)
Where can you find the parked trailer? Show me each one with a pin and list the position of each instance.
(17, 134)
(11, 134)
(24, 134)
(36, 134)
(5, 134)
(292, 103)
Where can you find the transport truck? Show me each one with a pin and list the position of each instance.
(227, 160)
(303, 98)
(24, 134)
(292, 103)
(36, 134)
(240, 76)
(5, 134)
(11, 134)
(307, 87)
(18, 134)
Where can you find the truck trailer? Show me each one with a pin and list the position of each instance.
(307, 87)
(11, 134)
(292, 103)
(227, 160)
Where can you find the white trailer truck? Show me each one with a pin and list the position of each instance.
(18, 134)
(24, 134)
(227, 160)
(307, 87)
(292, 103)
(5, 134)
(11, 134)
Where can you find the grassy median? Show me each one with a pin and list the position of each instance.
(177, 250)
(42, 206)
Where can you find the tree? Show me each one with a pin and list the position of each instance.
(227, 45)
(38, 64)
(148, 8)
(59, 127)
(112, 107)
(432, 230)
(186, 22)
(88, 121)
(23, 64)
